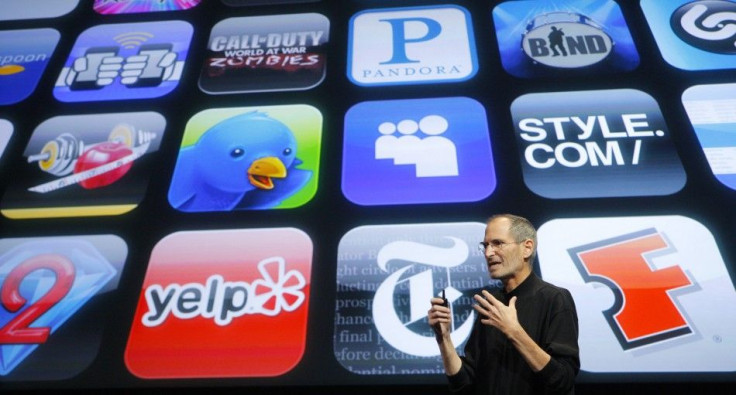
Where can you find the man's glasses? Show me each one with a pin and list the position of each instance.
(495, 244)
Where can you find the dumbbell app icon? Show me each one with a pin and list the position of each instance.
(91, 165)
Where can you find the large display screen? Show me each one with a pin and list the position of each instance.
(259, 194)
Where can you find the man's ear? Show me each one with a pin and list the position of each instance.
(528, 248)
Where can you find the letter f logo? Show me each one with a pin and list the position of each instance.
(644, 310)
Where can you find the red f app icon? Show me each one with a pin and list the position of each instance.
(230, 303)
(652, 293)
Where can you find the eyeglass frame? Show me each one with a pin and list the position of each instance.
(495, 244)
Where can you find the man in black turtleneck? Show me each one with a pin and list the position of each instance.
(525, 340)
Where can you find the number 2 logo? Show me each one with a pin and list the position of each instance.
(18, 330)
(43, 283)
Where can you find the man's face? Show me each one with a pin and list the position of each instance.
(506, 260)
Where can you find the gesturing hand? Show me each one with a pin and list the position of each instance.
(496, 313)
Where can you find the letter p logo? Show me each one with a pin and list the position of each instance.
(401, 27)
(411, 45)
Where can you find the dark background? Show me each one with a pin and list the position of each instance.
(329, 215)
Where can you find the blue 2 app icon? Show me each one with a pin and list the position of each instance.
(48, 284)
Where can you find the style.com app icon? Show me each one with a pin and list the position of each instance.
(24, 55)
(712, 112)
(413, 45)
(125, 61)
(694, 35)
(653, 293)
(82, 165)
(224, 303)
(603, 143)
(386, 276)
(248, 158)
(563, 37)
(417, 151)
(134, 6)
(266, 53)
(53, 303)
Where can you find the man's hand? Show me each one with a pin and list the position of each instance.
(503, 317)
(439, 317)
(497, 314)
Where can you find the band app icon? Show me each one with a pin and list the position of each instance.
(266, 53)
(50, 283)
(589, 144)
(23, 9)
(85, 165)
(694, 35)
(645, 288)
(248, 158)
(125, 61)
(417, 151)
(563, 36)
(237, 307)
(24, 55)
(134, 6)
(712, 112)
(386, 276)
(411, 45)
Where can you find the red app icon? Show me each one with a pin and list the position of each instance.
(229, 303)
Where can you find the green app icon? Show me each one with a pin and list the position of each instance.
(248, 158)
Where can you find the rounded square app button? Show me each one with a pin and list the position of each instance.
(241, 3)
(134, 6)
(237, 308)
(83, 165)
(24, 55)
(6, 132)
(411, 45)
(694, 35)
(563, 37)
(266, 53)
(712, 112)
(125, 61)
(52, 308)
(653, 294)
(417, 151)
(248, 158)
(386, 276)
(37, 9)
(586, 144)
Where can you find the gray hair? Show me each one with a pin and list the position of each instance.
(520, 229)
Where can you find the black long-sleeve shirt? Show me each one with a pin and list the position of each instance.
(492, 365)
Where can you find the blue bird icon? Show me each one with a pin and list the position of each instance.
(247, 161)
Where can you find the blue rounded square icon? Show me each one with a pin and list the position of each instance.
(694, 35)
(712, 113)
(24, 55)
(417, 151)
(125, 61)
(539, 38)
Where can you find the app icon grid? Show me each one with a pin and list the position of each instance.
(161, 52)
